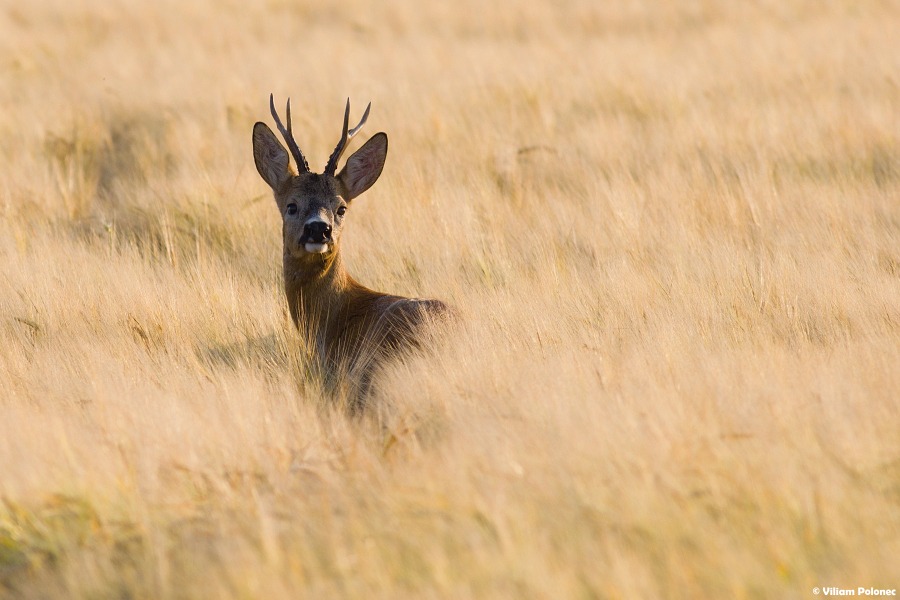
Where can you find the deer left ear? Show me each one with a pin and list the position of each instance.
(270, 157)
(364, 166)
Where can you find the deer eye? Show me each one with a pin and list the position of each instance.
(292, 209)
(341, 211)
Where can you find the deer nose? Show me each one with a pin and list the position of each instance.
(317, 232)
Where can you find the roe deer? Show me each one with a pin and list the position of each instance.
(350, 328)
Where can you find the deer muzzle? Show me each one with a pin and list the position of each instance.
(316, 236)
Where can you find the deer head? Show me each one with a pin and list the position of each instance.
(312, 205)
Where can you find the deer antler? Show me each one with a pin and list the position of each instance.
(287, 134)
(331, 167)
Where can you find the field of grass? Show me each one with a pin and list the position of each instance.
(673, 230)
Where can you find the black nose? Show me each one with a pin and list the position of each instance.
(317, 232)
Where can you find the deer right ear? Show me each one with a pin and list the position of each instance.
(364, 166)
(270, 157)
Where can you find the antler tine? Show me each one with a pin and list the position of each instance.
(362, 121)
(288, 135)
(346, 134)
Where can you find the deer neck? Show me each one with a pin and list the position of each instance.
(317, 288)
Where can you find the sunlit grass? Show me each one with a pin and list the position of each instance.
(673, 233)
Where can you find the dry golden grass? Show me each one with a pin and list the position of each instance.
(674, 230)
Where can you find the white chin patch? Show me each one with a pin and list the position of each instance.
(316, 248)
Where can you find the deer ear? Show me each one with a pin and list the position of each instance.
(271, 158)
(364, 166)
